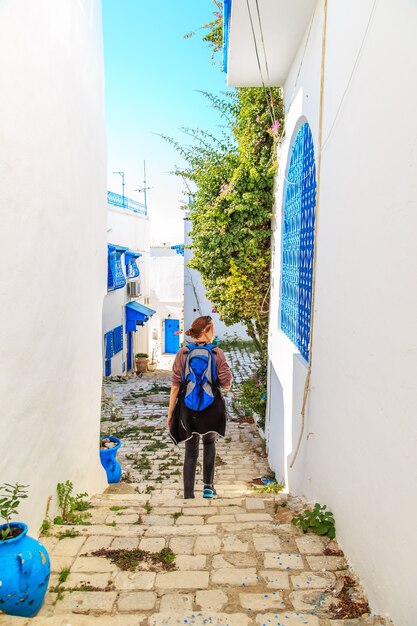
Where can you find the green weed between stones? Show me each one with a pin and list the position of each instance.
(148, 507)
(316, 520)
(118, 508)
(69, 533)
(69, 504)
(139, 462)
(155, 446)
(63, 574)
(130, 560)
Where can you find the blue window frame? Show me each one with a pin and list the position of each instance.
(298, 241)
(132, 270)
(118, 339)
(115, 277)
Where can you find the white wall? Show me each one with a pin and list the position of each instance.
(195, 300)
(132, 230)
(52, 246)
(166, 293)
(360, 455)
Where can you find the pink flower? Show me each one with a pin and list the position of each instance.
(275, 127)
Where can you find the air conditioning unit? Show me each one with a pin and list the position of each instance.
(133, 289)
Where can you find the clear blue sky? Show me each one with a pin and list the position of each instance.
(153, 76)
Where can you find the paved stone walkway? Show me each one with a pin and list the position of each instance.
(238, 562)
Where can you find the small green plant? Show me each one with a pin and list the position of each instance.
(176, 515)
(45, 527)
(316, 520)
(141, 355)
(118, 508)
(69, 503)
(251, 396)
(148, 507)
(69, 533)
(10, 498)
(63, 574)
(130, 560)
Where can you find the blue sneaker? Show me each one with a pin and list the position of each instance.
(209, 492)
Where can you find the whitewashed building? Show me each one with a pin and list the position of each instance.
(196, 302)
(167, 299)
(53, 247)
(125, 307)
(343, 332)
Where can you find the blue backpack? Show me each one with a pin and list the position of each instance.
(199, 377)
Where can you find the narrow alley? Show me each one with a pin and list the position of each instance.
(150, 558)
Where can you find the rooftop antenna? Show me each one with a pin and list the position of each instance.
(145, 188)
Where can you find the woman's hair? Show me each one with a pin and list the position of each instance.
(199, 326)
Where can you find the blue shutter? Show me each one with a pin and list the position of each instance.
(107, 368)
(108, 343)
(115, 277)
(132, 270)
(298, 242)
(118, 339)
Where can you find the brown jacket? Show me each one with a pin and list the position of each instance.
(224, 373)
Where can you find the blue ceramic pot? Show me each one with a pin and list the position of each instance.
(109, 461)
(24, 573)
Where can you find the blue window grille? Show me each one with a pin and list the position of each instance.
(115, 277)
(109, 345)
(118, 339)
(298, 242)
(132, 270)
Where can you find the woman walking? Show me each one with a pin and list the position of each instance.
(196, 406)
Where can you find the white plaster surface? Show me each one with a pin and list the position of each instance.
(52, 246)
(360, 435)
(132, 230)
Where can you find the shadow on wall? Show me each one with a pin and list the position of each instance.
(276, 426)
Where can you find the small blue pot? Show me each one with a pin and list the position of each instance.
(24, 573)
(109, 461)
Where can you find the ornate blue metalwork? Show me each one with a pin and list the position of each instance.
(115, 277)
(126, 203)
(109, 345)
(298, 241)
(227, 11)
(179, 249)
(132, 270)
(118, 339)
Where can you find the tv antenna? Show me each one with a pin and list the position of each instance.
(144, 188)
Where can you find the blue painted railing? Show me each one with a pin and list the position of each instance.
(227, 11)
(179, 249)
(126, 203)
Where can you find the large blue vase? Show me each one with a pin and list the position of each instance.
(24, 573)
(110, 463)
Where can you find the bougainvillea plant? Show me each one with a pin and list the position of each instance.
(230, 179)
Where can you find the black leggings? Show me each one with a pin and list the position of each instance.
(190, 461)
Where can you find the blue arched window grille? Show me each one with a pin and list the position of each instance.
(132, 270)
(298, 241)
(115, 277)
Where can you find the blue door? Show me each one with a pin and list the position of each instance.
(129, 352)
(172, 341)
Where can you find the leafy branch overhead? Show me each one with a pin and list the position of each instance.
(231, 207)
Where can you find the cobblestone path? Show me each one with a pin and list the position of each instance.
(238, 562)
